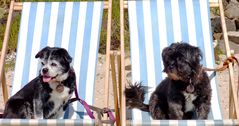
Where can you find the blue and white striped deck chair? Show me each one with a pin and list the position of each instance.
(74, 26)
(155, 24)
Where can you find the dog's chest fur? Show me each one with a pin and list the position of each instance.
(189, 98)
(59, 99)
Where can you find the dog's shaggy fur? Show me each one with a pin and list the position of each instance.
(184, 94)
(41, 98)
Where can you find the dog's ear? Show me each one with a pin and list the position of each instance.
(40, 54)
(198, 54)
(66, 56)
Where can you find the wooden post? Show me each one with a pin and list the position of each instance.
(4, 50)
(122, 51)
(119, 77)
(232, 88)
(115, 90)
(4, 87)
(107, 66)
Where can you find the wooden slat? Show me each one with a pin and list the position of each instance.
(119, 76)
(214, 4)
(4, 50)
(108, 40)
(18, 5)
(115, 89)
(4, 87)
(122, 51)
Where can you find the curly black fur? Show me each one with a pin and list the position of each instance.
(184, 94)
(135, 97)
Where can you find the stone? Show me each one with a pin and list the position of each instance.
(217, 36)
(217, 27)
(233, 36)
(232, 10)
(237, 22)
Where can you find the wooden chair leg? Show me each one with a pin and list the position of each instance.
(119, 77)
(115, 90)
(4, 87)
(4, 50)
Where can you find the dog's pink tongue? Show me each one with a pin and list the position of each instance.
(46, 79)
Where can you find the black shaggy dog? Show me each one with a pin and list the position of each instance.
(47, 96)
(184, 94)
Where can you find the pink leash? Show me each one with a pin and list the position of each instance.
(87, 107)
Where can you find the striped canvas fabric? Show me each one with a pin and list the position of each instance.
(74, 26)
(76, 122)
(155, 24)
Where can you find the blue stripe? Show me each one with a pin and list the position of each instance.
(183, 20)
(6, 122)
(218, 123)
(156, 41)
(78, 122)
(42, 122)
(46, 24)
(72, 41)
(45, 29)
(164, 122)
(73, 30)
(143, 64)
(60, 122)
(85, 54)
(60, 23)
(198, 28)
(31, 26)
(18, 56)
(182, 123)
(24, 122)
(169, 21)
(200, 123)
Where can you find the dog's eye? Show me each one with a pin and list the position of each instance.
(53, 64)
(42, 63)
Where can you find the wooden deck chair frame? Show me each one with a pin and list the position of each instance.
(233, 103)
(17, 6)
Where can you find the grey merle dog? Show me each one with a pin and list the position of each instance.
(184, 94)
(47, 96)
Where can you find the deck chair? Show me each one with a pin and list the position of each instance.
(75, 26)
(155, 24)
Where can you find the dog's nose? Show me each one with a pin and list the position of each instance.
(45, 70)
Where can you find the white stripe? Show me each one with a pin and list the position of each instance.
(79, 43)
(67, 25)
(21, 48)
(191, 22)
(227, 122)
(33, 122)
(36, 40)
(162, 28)
(206, 34)
(209, 123)
(134, 51)
(191, 123)
(53, 23)
(93, 53)
(52, 122)
(173, 122)
(149, 46)
(15, 122)
(176, 21)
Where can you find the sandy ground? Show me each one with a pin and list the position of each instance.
(222, 78)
